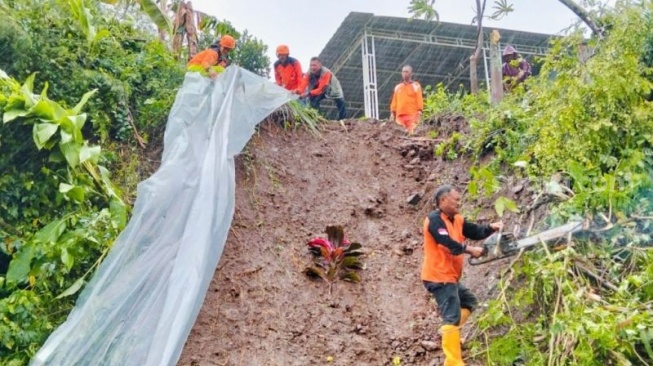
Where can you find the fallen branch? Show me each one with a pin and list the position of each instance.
(234, 233)
(596, 277)
(9, 229)
(637, 217)
(252, 271)
(530, 226)
(138, 137)
(546, 249)
(511, 269)
(609, 225)
(552, 340)
(421, 139)
(417, 144)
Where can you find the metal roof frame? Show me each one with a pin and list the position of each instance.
(367, 52)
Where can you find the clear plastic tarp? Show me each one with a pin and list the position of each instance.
(140, 305)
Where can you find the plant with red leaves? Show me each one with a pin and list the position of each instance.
(335, 257)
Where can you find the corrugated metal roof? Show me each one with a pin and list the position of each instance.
(438, 52)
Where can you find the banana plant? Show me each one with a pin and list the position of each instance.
(59, 130)
(209, 23)
(81, 13)
(156, 10)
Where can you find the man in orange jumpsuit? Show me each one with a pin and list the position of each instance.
(213, 60)
(445, 231)
(407, 102)
(287, 70)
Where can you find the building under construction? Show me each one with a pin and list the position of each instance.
(367, 52)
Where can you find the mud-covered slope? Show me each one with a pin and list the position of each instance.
(262, 310)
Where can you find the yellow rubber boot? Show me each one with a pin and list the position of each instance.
(464, 315)
(451, 345)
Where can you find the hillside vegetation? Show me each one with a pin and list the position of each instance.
(84, 94)
(581, 132)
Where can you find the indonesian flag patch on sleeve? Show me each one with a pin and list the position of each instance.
(443, 231)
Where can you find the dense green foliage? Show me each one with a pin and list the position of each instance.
(60, 214)
(135, 75)
(589, 123)
(591, 304)
(89, 70)
(590, 120)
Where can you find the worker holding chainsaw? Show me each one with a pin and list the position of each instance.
(213, 60)
(445, 231)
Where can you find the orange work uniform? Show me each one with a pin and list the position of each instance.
(443, 245)
(288, 74)
(440, 264)
(443, 266)
(407, 102)
(210, 58)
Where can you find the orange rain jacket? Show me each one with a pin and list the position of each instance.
(324, 82)
(207, 59)
(288, 74)
(443, 248)
(407, 99)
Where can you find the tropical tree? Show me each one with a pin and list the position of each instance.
(250, 52)
(425, 9)
(156, 10)
(584, 15)
(185, 25)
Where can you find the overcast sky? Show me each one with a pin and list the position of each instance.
(306, 26)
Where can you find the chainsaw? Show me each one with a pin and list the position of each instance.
(502, 245)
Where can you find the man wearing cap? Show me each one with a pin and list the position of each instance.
(515, 68)
(445, 232)
(213, 60)
(287, 70)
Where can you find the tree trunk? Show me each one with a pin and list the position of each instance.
(191, 30)
(473, 60)
(496, 77)
(163, 5)
(473, 74)
(584, 15)
(179, 24)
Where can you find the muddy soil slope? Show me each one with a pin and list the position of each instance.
(262, 310)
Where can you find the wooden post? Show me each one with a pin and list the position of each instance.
(496, 77)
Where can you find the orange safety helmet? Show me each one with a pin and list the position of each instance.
(228, 42)
(282, 49)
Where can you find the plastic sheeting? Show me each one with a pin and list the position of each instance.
(140, 305)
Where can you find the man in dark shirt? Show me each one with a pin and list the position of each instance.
(445, 231)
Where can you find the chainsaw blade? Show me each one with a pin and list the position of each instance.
(507, 246)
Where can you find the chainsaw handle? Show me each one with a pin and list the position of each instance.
(482, 259)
